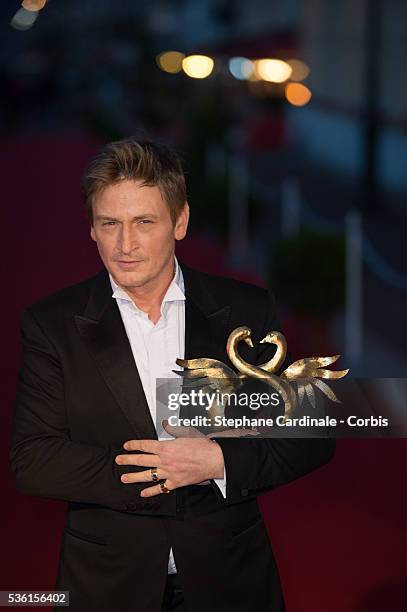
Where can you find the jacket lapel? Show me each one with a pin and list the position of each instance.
(205, 318)
(103, 332)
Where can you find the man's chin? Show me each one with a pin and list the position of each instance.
(129, 278)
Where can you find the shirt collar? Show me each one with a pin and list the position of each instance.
(174, 292)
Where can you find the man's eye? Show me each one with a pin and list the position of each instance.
(108, 223)
(145, 221)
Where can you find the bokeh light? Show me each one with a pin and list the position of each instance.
(273, 70)
(198, 66)
(241, 68)
(254, 77)
(33, 5)
(170, 61)
(300, 70)
(23, 19)
(297, 94)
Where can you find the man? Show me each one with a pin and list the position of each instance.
(194, 539)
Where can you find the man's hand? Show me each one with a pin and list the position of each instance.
(180, 462)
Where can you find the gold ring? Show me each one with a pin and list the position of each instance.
(163, 487)
(154, 474)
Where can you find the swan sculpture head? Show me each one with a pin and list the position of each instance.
(237, 335)
(246, 335)
(273, 337)
(240, 333)
(276, 338)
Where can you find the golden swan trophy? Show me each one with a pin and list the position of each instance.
(212, 374)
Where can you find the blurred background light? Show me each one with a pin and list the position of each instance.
(198, 66)
(300, 70)
(241, 67)
(170, 61)
(297, 94)
(33, 5)
(273, 70)
(254, 77)
(23, 19)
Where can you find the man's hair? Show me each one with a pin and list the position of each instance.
(143, 160)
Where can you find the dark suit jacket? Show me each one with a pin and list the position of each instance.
(80, 397)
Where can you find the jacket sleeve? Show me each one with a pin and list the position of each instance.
(256, 465)
(44, 460)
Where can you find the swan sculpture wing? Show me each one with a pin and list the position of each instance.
(312, 367)
(306, 372)
(210, 375)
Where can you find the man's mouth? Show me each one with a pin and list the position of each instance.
(126, 263)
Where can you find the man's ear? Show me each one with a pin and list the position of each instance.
(181, 224)
(92, 233)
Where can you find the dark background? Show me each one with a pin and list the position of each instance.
(277, 193)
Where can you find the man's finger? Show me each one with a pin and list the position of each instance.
(144, 476)
(156, 489)
(148, 446)
(143, 460)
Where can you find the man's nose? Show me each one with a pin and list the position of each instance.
(128, 239)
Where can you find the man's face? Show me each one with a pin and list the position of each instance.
(134, 233)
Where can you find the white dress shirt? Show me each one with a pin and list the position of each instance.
(155, 347)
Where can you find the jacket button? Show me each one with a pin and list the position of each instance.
(244, 492)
